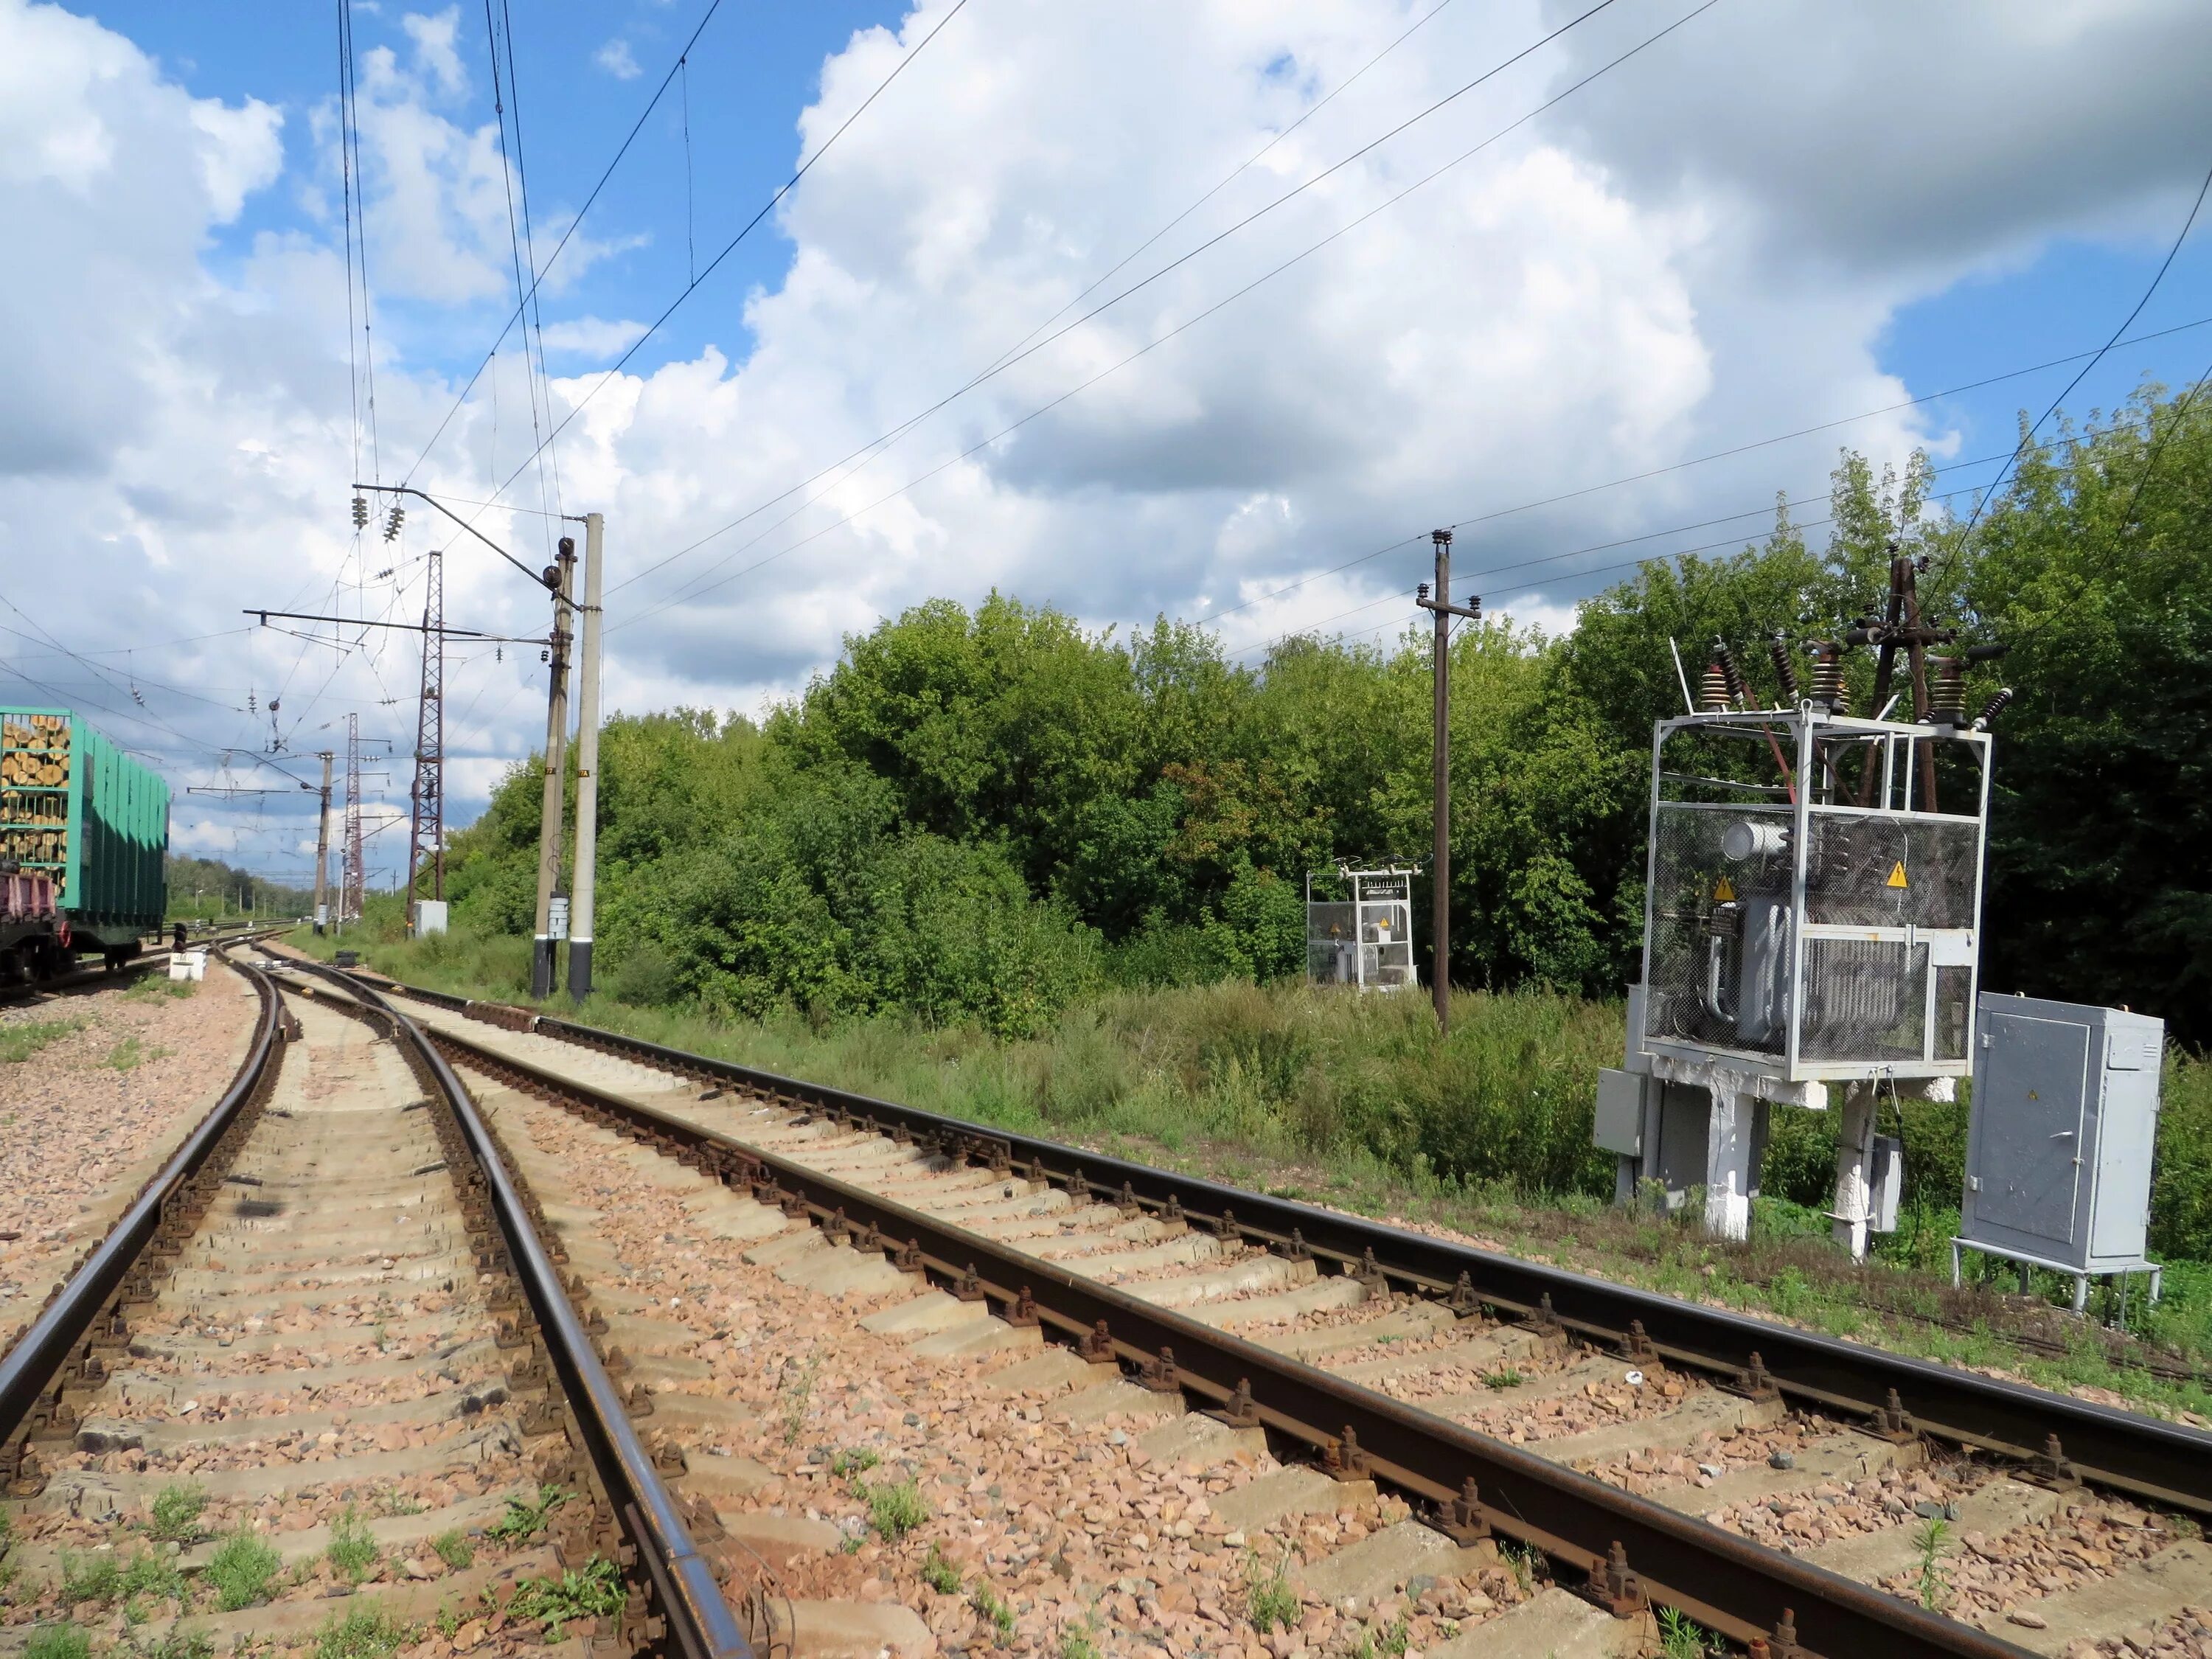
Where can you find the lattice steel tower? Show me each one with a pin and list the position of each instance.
(426, 838)
(353, 873)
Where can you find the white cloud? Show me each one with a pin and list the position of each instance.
(591, 336)
(615, 59)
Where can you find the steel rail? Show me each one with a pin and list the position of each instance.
(2164, 1462)
(28, 1368)
(1631, 1548)
(700, 1619)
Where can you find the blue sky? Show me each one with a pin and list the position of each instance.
(1689, 254)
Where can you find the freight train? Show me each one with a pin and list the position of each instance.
(84, 832)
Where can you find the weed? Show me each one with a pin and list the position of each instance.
(58, 1642)
(939, 1574)
(97, 1578)
(894, 1508)
(1933, 1583)
(523, 1521)
(242, 1568)
(999, 1613)
(2181, 1526)
(1390, 1645)
(1503, 1378)
(180, 1644)
(131, 1054)
(393, 1501)
(19, 1042)
(1523, 1560)
(853, 1459)
(352, 1550)
(149, 1574)
(1679, 1637)
(454, 1549)
(1269, 1598)
(177, 1508)
(449, 1619)
(1075, 1643)
(796, 1393)
(362, 1632)
(594, 1591)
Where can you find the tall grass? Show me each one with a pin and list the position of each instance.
(1288, 1072)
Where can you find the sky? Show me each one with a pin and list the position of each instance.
(1189, 307)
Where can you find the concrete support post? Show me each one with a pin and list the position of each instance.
(582, 884)
(561, 580)
(1854, 1201)
(1731, 1148)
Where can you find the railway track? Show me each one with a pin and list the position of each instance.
(322, 1385)
(93, 978)
(1361, 1354)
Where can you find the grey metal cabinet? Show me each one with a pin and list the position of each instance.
(2065, 1117)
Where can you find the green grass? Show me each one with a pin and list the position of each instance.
(58, 1642)
(1681, 1637)
(1269, 1602)
(180, 1644)
(149, 1573)
(1078, 1644)
(896, 1508)
(1503, 1378)
(995, 1609)
(97, 1578)
(454, 1549)
(242, 1570)
(939, 1574)
(130, 1055)
(176, 1511)
(853, 1460)
(352, 1550)
(19, 1042)
(594, 1591)
(362, 1632)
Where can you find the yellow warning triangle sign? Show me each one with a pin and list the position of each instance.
(1897, 875)
(1723, 891)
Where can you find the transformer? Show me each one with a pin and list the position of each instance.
(1812, 918)
(1367, 939)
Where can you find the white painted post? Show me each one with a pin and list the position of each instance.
(1728, 1164)
(1854, 1201)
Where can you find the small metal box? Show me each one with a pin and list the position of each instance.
(1619, 1124)
(2065, 1117)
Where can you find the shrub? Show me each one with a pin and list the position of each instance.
(362, 1632)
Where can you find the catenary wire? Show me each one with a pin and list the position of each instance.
(1030, 348)
(539, 277)
(699, 585)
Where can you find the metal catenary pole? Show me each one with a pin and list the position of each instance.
(581, 883)
(426, 831)
(323, 848)
(1440, 867)
(561, 581)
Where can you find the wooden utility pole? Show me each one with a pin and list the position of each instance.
(1440, 866)
(561, 578)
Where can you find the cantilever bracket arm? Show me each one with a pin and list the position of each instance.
(1472, 612)
(405, 490)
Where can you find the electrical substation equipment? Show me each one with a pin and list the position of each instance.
(1812, 914)
(2059, 1151)
(1364, 935)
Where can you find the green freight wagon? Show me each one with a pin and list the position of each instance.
(84, 830)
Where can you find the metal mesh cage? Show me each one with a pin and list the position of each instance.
(1719, 922)
(1332, 936)
(1882, 870)
(1865, 1000)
